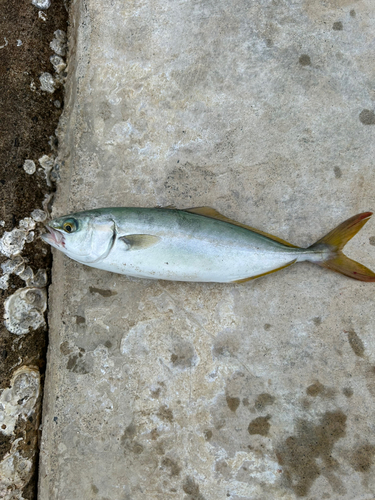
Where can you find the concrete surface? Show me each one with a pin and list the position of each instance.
(157, 390)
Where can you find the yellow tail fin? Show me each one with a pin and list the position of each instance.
(336, 240)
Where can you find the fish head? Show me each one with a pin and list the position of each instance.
(86, 237)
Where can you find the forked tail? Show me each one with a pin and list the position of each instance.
(332, 244)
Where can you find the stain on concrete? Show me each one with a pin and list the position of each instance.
(337, 172)
(155, 393)
(308, 453)
(137, 448)
(233, 403)
(372, 240)
(348, 392)
(356, 344)
(77, 363)
(225, 344)
(263, 400)
(260, 426)
(183, 355)
(129, 433)
(65, 348)
(304, 60)
(370, 380)
(105, 110)
(315, 389)
(191, 77)
(103, 293)
(223, 469)
(191, 488)
(171, 465)
(80, 320)
(165, 413)
(367, 117)
(127, 440)
(188, 178)
(338, 26)
(363, 457)
(207, 434)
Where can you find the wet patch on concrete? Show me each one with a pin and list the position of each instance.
(356, 344)
(304, 60)
(264, 400)
(338, 26)
(308, 454)
(370, 379)
(191, 488)
(171, 465)
(165, 413)
(348, 392)
(103, 293)
(318, 389)
(367, 117)
(233, 403)
(260, 425)
(338, 173)
(225, 344)
(79, 363)
(362, 458)
(183, 355)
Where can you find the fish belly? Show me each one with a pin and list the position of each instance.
(191, 259)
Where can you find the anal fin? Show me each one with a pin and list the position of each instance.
(243, 280)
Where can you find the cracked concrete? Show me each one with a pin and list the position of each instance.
(263, 390)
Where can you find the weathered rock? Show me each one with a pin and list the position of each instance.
(28, 120)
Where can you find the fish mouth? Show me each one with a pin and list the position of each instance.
(53, 237)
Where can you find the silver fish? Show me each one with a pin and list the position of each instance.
(197, 244)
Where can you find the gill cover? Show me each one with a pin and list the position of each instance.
(102, 239)
(83, 237)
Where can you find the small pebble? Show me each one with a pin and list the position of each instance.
(47, 83)
(41, 4)
(39, 215)
(29, 167)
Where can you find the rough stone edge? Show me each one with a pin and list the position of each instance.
(65, 132)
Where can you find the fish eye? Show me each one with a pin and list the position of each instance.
(70, 226)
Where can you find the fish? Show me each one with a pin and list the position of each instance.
(194, 244)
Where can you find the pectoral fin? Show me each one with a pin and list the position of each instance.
(264, 274)
(139, 241)
(214, 214)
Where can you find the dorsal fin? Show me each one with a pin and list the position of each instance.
(214, 214)
(168, 207)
